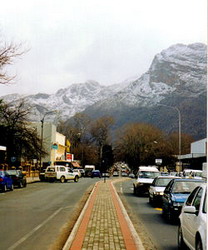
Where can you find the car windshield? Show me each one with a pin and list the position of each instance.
(162, 182)
(147, 174)
(12, 172)
(50, 169)
(184, 186)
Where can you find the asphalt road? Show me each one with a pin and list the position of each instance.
(148, 219)
(40, 215)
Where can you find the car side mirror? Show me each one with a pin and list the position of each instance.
(190, 210)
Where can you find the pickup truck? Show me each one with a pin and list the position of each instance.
(61, 173)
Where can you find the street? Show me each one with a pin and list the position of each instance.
(156, 232)
(40, 215)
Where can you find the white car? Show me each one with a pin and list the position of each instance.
(145, 178)
(157, 188)
(61, 173)
(78, 172)
(192, 229)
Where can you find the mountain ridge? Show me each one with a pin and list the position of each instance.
(177, 73)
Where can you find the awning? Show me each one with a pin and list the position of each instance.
(75, 164)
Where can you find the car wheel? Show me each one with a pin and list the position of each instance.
(199, 244)
(12, 187)
(163, 211)
(20, 184)
(181, 243)
(134, 190)
(76, 178)
(62, 179)
(4, 188)
(25, 184)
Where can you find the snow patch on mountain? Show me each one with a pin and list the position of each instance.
(180, 69)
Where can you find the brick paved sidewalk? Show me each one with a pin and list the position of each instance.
(104, 223)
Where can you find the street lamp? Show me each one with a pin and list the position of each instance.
(179, 125)
(79, 136)
(41, 136)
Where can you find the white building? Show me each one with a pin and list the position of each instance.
(52, 141)
(197, 156)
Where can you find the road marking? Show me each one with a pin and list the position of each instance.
(34, 230)
(121, 189)
(158, 209)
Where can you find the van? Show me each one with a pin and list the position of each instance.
(145, 177)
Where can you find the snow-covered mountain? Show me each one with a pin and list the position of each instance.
(68, 101)
(177, 74)
(179, 69)
(177, 77)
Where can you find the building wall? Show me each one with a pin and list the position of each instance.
(60, 152)
(51, 137)
(199, 147)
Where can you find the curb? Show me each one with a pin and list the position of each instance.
(72, 235)
(135, 236)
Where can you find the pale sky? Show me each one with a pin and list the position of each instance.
(72, 41)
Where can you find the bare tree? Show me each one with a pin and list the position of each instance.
(139, 144)
(8, 52)
(16, 133)
(100, 133)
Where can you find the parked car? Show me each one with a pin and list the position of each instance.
(124, 174)
(42, 174)
(131, 175)
(175, 194)
(192, 228)
(96, 173)
(82, 171)
(106, 174)
(115, 174)
(61, 173)
(78, 172)
(6, 181)
(19, 179)
(193, 173)
(157, 188)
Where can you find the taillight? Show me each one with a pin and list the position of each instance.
(1, 179)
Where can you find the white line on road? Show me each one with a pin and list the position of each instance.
(34, 230)
(121, 189)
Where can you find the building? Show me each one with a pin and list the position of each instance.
(52, 141)
(197, 156)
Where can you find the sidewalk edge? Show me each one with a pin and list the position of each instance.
(134, 233)
(72, 235)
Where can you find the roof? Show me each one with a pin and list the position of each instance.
(189, 179)
(75, 164)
